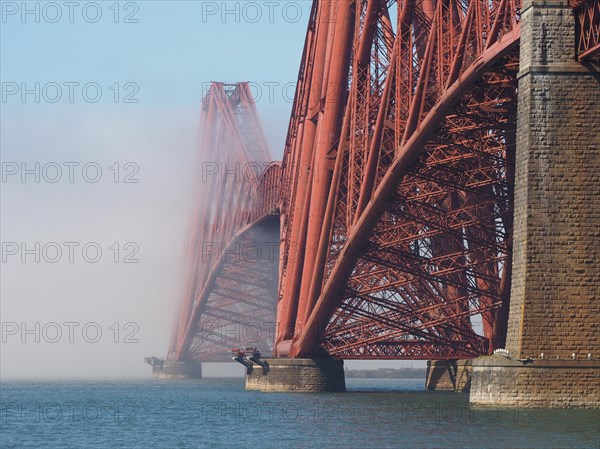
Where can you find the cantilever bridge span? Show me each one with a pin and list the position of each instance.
(394, 204)
(233, 251)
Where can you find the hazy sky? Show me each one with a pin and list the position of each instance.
(99, 113)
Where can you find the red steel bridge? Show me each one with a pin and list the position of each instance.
(385, 232)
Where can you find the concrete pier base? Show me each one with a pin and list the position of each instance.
(301, 375)
(178, 370)
(449, 375)
(500, 381)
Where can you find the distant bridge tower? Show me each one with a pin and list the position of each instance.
(232, 265)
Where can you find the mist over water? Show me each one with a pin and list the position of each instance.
(116, 173)
(139, 227)
(97, 195)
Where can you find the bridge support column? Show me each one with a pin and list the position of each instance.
(554, 318)
(448, 375)
(537, 384)
(301, 375)
(178, 370)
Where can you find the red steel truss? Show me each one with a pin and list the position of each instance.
(587, 14)
(394, 195)
(233, 255)
(398, 175)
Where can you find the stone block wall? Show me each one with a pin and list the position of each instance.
(498, 381)
(449, 375)
(178, 370)
(555, 292)
(301, 375)
(555, 296)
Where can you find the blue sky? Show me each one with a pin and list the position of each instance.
(173, 50)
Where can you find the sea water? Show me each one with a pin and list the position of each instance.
(220, 413)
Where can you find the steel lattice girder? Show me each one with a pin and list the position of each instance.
(587, 13)
(237, 199)
(407, 214)
(240, 308)
(396, 187)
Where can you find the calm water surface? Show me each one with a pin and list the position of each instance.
(219, 413)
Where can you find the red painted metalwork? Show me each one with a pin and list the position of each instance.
(395, 192)
(235, 234)
(397, 205)
(587, 13)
